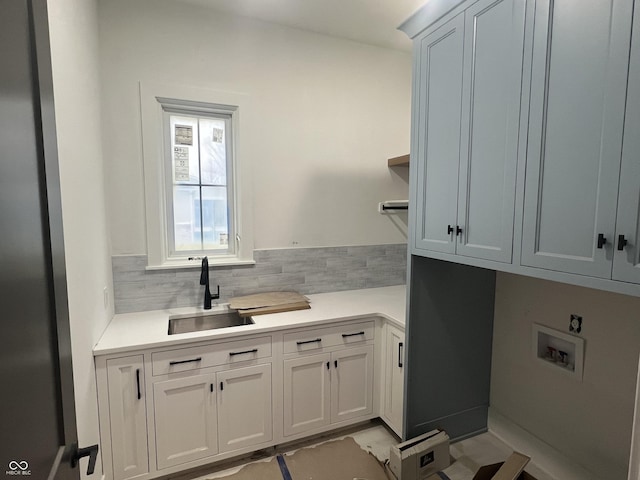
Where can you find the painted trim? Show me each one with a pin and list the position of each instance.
(426, 16)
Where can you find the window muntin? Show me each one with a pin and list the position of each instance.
(199, 193)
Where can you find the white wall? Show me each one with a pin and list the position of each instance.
(74, 53)
(590, 421)
(332, 111)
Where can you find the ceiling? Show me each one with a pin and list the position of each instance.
(368, 21)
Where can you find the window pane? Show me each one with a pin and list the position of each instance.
(186, 218)
(214, 217)
(213, 151)
(184, 149)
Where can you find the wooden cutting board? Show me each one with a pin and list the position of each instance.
(287, 307)
(269, 299)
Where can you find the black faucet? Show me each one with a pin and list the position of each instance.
(204, 280)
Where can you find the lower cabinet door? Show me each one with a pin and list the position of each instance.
(352, 383)
(244, 407)
(393, 403)
(128, 417)
(306, 393)
(185, 418)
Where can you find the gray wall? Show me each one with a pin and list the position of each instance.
(590, 421)
(448, 348)
(304, 270)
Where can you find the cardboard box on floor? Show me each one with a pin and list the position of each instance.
(511, 469)
(421, 456)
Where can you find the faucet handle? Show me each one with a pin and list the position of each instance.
(217, 294)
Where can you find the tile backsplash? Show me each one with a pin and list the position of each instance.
(304, 270)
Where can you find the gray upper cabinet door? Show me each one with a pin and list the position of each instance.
(626, 262)
(439, 91)
(493, 49)
(578, 84)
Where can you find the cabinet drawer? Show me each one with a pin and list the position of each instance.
(184, 359)
(306, 340)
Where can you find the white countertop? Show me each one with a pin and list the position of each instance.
(140, 330)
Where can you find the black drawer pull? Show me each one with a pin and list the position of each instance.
(400, 347)
(178, 362)
(138, 382)
(304, 342)
(255, 350)
(345, 335)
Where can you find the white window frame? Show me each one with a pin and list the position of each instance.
(154, 98)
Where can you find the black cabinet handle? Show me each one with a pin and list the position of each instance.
(138, 382)
(622, 242)
(255, 350)
(328, 365)
(211, 387)
(345, 335)
(458, 230)
(78, 453)
(335, 363)
(304, 342)
(449, 229)
(602, 240)
(400, 347)
(178, 362)
(221, 386)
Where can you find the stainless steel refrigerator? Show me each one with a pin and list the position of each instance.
(38, 437)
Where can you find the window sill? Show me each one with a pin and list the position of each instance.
(213, 262)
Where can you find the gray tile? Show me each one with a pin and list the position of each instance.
(282, 279)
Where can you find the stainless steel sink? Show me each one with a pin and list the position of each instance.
(207, 322)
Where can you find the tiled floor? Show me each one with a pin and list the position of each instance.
(467, 455)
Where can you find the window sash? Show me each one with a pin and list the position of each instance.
(170, 231)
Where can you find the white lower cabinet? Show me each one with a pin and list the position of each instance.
(327, 388)
(127, 416)
(244, 407)
(185, 419)
(393, 384)
(352, 383)
(212, 401)
(307, 393)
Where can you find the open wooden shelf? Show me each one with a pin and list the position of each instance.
(402, 161)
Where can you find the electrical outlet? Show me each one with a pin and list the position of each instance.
(575, 323)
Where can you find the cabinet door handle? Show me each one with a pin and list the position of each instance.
(254, 350)
(138, 383)
(178, 362)
(221, 386)
(211, 388)
(400, 348)
(328, 363)
(622, 242)
(304, 342)
(458, 230)
(335, 363)
(602, 240)
(345, 335)
(449, 229)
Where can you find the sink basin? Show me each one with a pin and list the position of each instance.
(207, 322)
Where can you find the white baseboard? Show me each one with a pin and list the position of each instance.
(543, 455)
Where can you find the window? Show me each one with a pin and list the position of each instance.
(200, 188)
(195, 205)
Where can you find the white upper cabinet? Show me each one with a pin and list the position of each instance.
(468, 89)
(626, 260)
(577, 109)
(439, 96)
